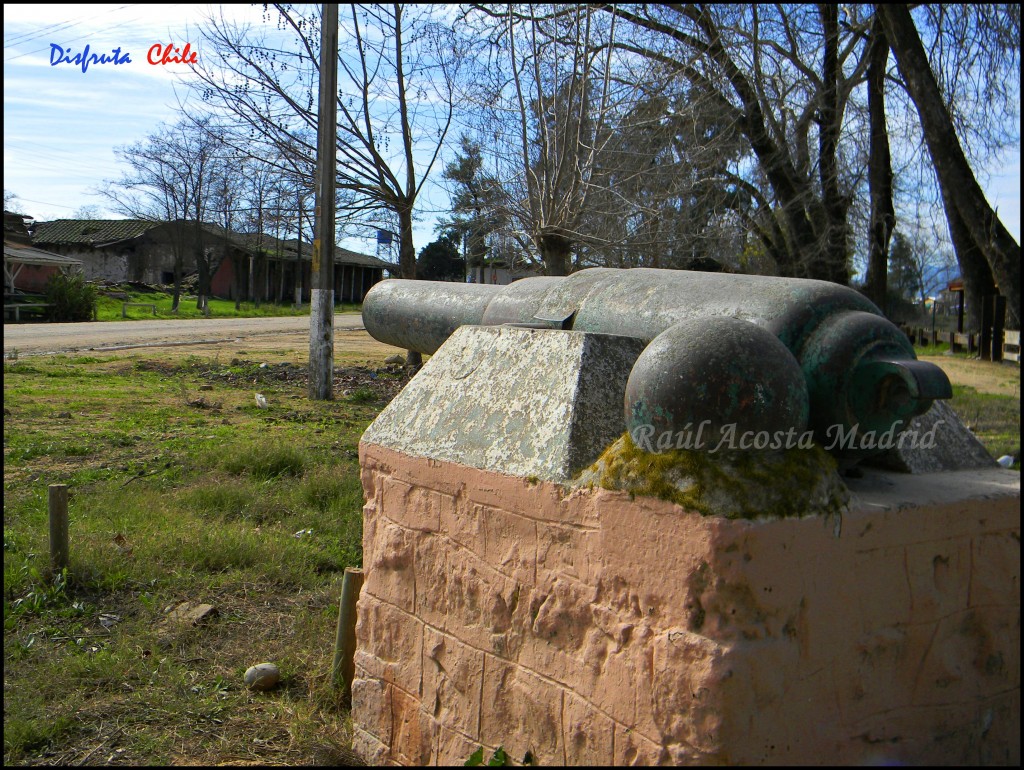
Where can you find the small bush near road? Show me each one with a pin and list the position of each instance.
(70, 298)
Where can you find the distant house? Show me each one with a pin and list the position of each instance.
(27, 269)
(244, 266)
(275, 280)
(500, 273)
(108, 249)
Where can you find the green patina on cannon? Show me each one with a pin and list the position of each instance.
(728, 358)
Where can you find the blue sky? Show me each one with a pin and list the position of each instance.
(61, 125)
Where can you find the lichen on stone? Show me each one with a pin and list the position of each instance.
(736, 485)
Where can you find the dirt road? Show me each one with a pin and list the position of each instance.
(288, 339)
(199, 336)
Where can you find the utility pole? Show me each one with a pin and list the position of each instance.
(321, 318)
(298, 254)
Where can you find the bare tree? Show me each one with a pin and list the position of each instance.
(171, 179)
(550, 102)
(664, 194)
(975, 228)
(397, 68)
(785, 76)
(395, 105)
(91, 211)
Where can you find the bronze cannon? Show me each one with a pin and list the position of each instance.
(771, 356)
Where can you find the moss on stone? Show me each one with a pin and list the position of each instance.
(749, 484)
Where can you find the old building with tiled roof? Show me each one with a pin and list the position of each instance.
(242, 265)
(26, 268)
(116, 249)
(275, 279)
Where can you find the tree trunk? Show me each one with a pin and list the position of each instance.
(236, 263)
(985, 229)
(202, 265)
(883, 215)
(407, 265)
(176, 299)
(833, 257)
(555, 250)
(974, 269)
(203, 279)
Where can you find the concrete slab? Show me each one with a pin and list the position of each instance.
(527, 402)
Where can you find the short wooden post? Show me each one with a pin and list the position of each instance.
(344, 669)
(985, 344)
(998, 326)
(58, 505)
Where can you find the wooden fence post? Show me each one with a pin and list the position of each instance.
(985, 344)
(344, 668)
(998, 323)
(58, 508)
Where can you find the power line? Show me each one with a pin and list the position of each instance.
(52, 29)
(46, 203)
(111, 28)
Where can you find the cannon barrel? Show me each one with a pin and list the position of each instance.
(840, 365)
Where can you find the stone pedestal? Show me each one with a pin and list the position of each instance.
(583, 627)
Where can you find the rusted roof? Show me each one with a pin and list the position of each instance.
(89, 232)
(101, 232)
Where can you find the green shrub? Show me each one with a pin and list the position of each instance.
(71, 298)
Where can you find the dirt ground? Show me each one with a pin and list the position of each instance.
(350, 347)
(1001, 379)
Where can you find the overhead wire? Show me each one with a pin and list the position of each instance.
(52, 29)
(105, 30)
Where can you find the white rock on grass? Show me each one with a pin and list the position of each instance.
(262, 676)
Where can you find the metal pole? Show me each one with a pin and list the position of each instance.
(321, 319)
(344, 669)
(58, 507)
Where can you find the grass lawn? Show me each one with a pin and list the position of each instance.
(109, 308)
(183, 489)
(178, 493)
